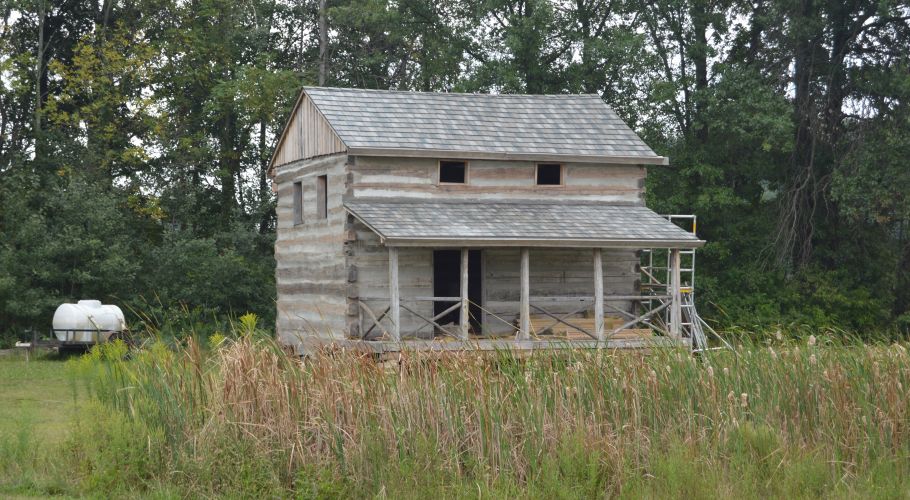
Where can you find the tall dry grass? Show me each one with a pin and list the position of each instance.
(611, 418)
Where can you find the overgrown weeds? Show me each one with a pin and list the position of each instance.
(780, 418)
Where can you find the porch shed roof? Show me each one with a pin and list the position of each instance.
(447, 223)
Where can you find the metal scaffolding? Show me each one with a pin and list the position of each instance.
(656, 272)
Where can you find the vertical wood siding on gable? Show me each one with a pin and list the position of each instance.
(308, 135)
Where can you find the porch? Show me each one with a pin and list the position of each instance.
(564, 276)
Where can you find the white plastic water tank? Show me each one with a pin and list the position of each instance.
(87, 320)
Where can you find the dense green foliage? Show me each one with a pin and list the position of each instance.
(778, 418)
(134, 137)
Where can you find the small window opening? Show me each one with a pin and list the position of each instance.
(549, 174)
(452, 172)
(322, 196)
(298, 203)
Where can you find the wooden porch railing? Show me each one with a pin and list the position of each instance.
(599, 301)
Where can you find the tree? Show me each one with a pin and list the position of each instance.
(785, 121)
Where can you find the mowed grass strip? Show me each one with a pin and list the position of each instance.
(37, 397)
(40, 404)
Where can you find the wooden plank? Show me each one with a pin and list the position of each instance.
(581, 299)
(418, 298)
(631, 333)
(503, 345)
(535, 190)
(442, 242)
(675, 297)
(394, 298)
(376, 320)
(437, 153)
(643, 317)
(429, 321)
(543, 324)
(598, 294)
(562, 320)
(465, 310)
(525, 307)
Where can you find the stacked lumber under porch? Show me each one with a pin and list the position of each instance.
(542, 327)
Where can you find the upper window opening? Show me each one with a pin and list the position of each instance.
(452, 172)
(298, 203)
(322, 196)
(549, 174)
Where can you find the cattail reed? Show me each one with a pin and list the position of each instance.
(470, 415)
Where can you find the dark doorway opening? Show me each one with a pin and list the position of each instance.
(447, 283)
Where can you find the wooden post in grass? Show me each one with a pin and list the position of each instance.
(394, 297)
(598, 294)
(675, 296)
(465, 310)
(524, 312)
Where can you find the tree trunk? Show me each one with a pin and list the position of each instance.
(265, 215)
(841, 35)
(39, 79)
(323, 42)
(229, 165)
(584, 19)
(530, 55)
(699, 54)
(797, 211)
(758, 26)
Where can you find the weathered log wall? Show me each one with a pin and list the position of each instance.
(384, 177)
(311, 270)
(324, 266)
(415, 279)
(554, 272)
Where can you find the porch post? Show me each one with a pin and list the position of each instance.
(394, 297)
(465, 310)
(675, 296)
(598, 294)
(525, 309)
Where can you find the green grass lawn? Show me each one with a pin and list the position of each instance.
(38, 402)
(36, 396)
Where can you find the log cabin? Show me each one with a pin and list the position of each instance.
(451, 221)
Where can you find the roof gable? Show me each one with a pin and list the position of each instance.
(307, 134)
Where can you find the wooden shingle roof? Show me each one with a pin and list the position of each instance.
(495, 126)
(510, 223)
